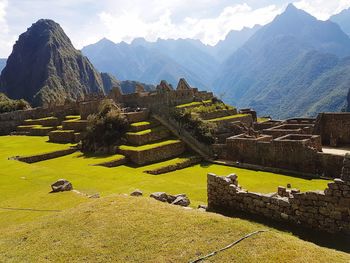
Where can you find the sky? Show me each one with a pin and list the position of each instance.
(87, 21)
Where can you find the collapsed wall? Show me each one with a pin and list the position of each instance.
(328, 210)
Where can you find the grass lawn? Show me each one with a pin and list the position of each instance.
(27, 185)
(138, 229)
(118, 228)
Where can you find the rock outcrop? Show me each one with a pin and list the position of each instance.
(44, 68)
(61, 185)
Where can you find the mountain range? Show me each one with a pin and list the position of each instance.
(343, 20)
(294, 66)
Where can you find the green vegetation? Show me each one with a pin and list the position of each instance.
(217, 106)
(193, 104)
(228, 117)
(8, 105)
(129, 229)
(63, 131)
(40, 127)
(72, 117)
(147, 146)
(93, 229)
(203, 131)
(264, 119)
(148, 131)
(106, 128)
(142, 123)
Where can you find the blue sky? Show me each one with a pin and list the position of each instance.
(87, 21)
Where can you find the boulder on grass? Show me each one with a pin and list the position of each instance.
(137, 192)
(61, 185)
(181, 200)
(160, 196)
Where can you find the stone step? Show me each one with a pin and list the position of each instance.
(147, 136)
(114, 161)
(75, 124)
(46, 122)
(154, 152)
(35, 130)
(144, 125)
(176, 164)
(45, 156)
(62, 136)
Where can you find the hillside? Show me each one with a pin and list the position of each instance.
(343, 20)
(137, 62)
(44, 67)
(103, 231)
(284, 71)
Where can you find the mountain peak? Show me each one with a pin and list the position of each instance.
(291, 8)
(44, 67)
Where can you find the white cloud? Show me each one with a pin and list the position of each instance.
(129, 25)
(322, 9)
(5, 40)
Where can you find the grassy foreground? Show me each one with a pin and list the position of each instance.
(27, 185)
(139, 229)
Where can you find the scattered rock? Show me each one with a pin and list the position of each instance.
(160, 196)
(137, 192)
(289, 186)
(182, 201)
(61, 185)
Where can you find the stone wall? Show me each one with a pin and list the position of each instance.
(334, 128)
(217, 114)
(10, 120)
(323, 210)
(292, 152)
(45, 156)
(285, 129)
(160, 153)
(137, 116)
(156, 134)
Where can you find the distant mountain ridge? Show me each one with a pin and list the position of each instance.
(293, 66)
(44, 67)
(343, 20)
(169, 59)
(2, 63)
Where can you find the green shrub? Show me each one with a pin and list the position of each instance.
(8, 105)
(203, 131)
(106, 128)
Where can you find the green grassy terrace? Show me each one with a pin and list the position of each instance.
(193, 104)
(142, 123)
(227, 117)
(41, 119)
(103, 230)
(72, 117)
(148, 146)
(148, 131)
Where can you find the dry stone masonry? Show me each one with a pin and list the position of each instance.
(328, 210)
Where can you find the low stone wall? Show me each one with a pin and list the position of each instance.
(156, 134)
(177, 166)
(217, 114)
(45, 156)
(247, 120)
(47, 122)
(75, 125)
(324, 210)
(137, 116)
(113, 163)
(62, 136)
(154, 155)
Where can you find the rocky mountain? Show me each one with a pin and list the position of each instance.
(138, 61)
(294, 66)
(343, 20)
(44, 67)
(233, 41)
(2, 63)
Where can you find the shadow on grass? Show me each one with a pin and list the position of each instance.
(333, 241)
(94, 156)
